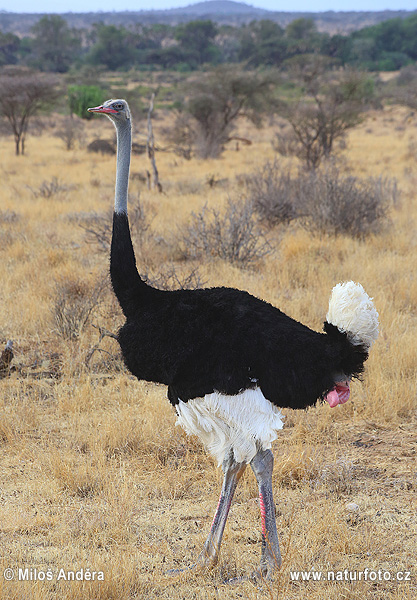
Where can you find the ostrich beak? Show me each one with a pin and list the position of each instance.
(102, 109)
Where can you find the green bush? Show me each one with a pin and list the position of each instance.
(392, 61)
(81, 97)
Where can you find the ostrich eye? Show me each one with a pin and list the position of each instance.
(118, 106)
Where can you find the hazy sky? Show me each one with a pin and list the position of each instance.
(50, 6)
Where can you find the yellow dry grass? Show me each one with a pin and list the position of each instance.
(94, 473)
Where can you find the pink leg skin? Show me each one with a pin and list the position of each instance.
(262, 465)
(262, 505)
(233, 471)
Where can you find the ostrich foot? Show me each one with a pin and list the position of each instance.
(207, 559)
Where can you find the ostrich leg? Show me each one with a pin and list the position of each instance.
(232, 473)
(262, 465)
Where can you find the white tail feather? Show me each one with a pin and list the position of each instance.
(351, 310)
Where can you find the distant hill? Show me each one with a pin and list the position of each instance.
(218, 7)
(224, 12)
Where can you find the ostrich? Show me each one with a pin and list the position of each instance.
(231, 360)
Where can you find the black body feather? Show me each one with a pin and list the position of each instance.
(222, 339)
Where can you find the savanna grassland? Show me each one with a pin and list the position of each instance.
(95, 474)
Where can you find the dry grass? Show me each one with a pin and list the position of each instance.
(94, 472)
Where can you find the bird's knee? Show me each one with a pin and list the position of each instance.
(263, 463)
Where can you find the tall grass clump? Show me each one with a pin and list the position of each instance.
(75, 301)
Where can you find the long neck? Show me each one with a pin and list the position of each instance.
(125, 278)
(124, 148)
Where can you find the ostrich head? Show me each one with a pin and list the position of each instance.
(117, 110)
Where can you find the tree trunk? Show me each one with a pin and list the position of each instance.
(150, 146)
(19, 140)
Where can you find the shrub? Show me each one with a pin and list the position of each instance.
(70, 131)
(404, 91)
(180, 136)
(74, 303)
(102, 147)
(9, 216)
(234, 235)
(338, 204)
(98, 227)
(273, 194)
(322, 200)
(49, 189)
(81, 97)
(169, 278)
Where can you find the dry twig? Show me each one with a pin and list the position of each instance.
(96, 348)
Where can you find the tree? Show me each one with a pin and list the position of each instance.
(9, 46)
(55, 46)
(409, 42)
(302, 36)
(263, 43)
(218, 99)
(24, 94)
(168, 58)
(339, 47)
(326, 111)
(112, 48)
(196, 38)
(386, 46)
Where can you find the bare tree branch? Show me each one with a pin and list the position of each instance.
(96, 348)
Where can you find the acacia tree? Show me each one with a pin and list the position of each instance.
(9, 46)
(112, 47)
(24, 94)
(216, 100)
(196, 38)
(263, 43)
(55, 46)
(330, 105)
